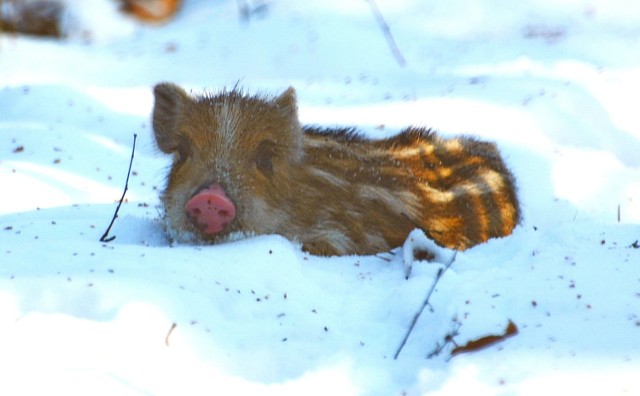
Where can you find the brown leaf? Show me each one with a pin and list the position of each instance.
(486, 341)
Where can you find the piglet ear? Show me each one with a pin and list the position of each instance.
(170, 101)
(291, 135)
(288, 103)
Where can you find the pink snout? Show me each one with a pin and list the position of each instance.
(211, 210)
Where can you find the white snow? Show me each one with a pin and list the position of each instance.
(418, 242)
(555, 84)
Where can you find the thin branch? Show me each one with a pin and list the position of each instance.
(448, 339)
(166, 339)
(104, 237)
(387, 33)
(441, 272)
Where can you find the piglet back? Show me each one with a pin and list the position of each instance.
(467, 192)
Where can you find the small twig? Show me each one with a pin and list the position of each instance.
(104, 238)
(441, 272)
(166, 339)
(387, 33)
(387, 259)
(448, 339)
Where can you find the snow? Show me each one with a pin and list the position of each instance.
(555, 84)
(418, 242)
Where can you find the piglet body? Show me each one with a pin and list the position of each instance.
(244, 165)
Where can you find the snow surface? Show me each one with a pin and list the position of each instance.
(555, 83)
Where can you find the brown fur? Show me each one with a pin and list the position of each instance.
(334, 191)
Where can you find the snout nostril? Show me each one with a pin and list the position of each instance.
(210, 210)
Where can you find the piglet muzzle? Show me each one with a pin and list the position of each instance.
(210, 209)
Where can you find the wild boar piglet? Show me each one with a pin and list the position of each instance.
(243, 165)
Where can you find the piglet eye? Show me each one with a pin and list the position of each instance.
(264, 157)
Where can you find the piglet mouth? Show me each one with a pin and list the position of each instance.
(210, 209)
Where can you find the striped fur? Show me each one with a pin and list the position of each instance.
(334, 191)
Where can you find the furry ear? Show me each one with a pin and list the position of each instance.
(288, 103)
(170, 101)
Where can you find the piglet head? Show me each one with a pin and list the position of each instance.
(232, 158)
